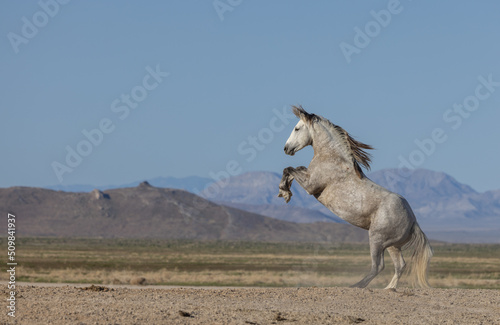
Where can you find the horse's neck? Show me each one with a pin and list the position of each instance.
(330, 146)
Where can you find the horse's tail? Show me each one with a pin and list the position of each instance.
(422, 253)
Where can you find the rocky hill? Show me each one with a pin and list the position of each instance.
(446, 209)
(150, 212)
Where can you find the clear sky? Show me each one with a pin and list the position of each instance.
(109, 92)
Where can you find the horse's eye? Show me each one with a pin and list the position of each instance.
(297, 128)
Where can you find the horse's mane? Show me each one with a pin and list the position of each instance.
(356, 148)
(358, 154)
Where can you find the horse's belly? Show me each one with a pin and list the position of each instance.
(348, 212)
(356, 220)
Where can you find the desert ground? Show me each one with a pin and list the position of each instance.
(84, 304)
(97, 281)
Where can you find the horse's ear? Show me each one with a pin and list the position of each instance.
(302, 114)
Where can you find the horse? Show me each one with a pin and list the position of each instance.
(336, 179)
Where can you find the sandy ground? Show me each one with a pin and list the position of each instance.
(81, 304)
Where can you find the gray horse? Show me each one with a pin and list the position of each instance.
(336, 179)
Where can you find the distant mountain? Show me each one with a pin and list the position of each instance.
(253, 192)
(287, 213)
(77, 188)
(255, 188)
(150, 212)
(420, 184)
(258, 192)
(442, 205)
(441, 202)
(191, 184)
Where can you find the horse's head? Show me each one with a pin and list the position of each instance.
(301, 135)
(327, 137)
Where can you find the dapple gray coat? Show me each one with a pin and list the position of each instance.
(336, 179)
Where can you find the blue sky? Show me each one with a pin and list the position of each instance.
(176, 88)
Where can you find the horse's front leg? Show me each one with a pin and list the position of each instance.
(302, 176)
(285, 184)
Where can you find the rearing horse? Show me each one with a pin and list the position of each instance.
(336, 179)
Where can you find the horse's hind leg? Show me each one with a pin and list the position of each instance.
(399, 265)
(377, 254)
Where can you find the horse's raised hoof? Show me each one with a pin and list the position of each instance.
(287, 195)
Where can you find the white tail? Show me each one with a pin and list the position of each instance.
(422, 253)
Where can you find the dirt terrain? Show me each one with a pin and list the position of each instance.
(84, 304)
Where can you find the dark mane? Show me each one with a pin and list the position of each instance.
(359, 155)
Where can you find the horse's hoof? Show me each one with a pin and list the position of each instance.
(287, 195)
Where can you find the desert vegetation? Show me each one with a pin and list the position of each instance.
(229, 263)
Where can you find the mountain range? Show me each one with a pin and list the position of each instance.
(446, 209)
(145, 211)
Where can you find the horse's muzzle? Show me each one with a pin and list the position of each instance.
(289, 151)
